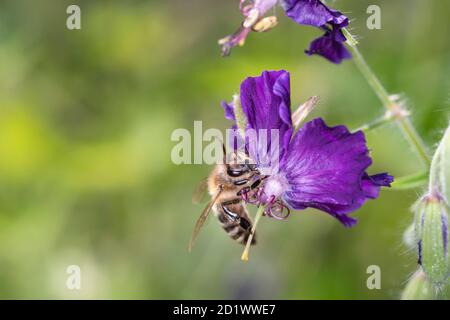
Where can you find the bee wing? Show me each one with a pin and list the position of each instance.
(200, 191)
(201, 220)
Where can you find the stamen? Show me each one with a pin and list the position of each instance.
(244, 196)
(258, 196)
(252, 18)
(236, 39)
(265, 24)
(275, 209)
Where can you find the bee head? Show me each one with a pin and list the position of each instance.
(240, 163)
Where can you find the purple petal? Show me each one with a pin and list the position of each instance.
(266, 103)
(266, 100)
(229, 110)
(314, 13)
(372, 184)
(325, 168)
(330, 46)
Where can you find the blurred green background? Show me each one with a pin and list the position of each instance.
(85, 170)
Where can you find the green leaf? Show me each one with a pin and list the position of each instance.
(410, 182)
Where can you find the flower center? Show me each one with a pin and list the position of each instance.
(275, 186)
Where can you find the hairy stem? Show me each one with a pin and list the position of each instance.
(258, 216)
(376, 123)
(391, 106)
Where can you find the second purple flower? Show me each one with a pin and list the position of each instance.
(307, 12)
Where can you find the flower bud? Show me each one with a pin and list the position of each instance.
(418, 288)
(431, 232)
(445, 165)
(440, 168)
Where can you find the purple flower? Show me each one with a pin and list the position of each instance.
(253, 12)
(330, 46)
(229, 110)
(319, 166)
(306, 12)
(313, 13)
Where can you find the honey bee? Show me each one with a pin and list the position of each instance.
(229, 184)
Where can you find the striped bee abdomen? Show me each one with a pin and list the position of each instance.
(235, 221)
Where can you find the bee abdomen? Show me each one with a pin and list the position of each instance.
(234, 229)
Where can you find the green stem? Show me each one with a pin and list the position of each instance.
(376, 123)
(403, 122)
(258, 216)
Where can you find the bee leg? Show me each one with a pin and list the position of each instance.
(255, 184)
(244, 223)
